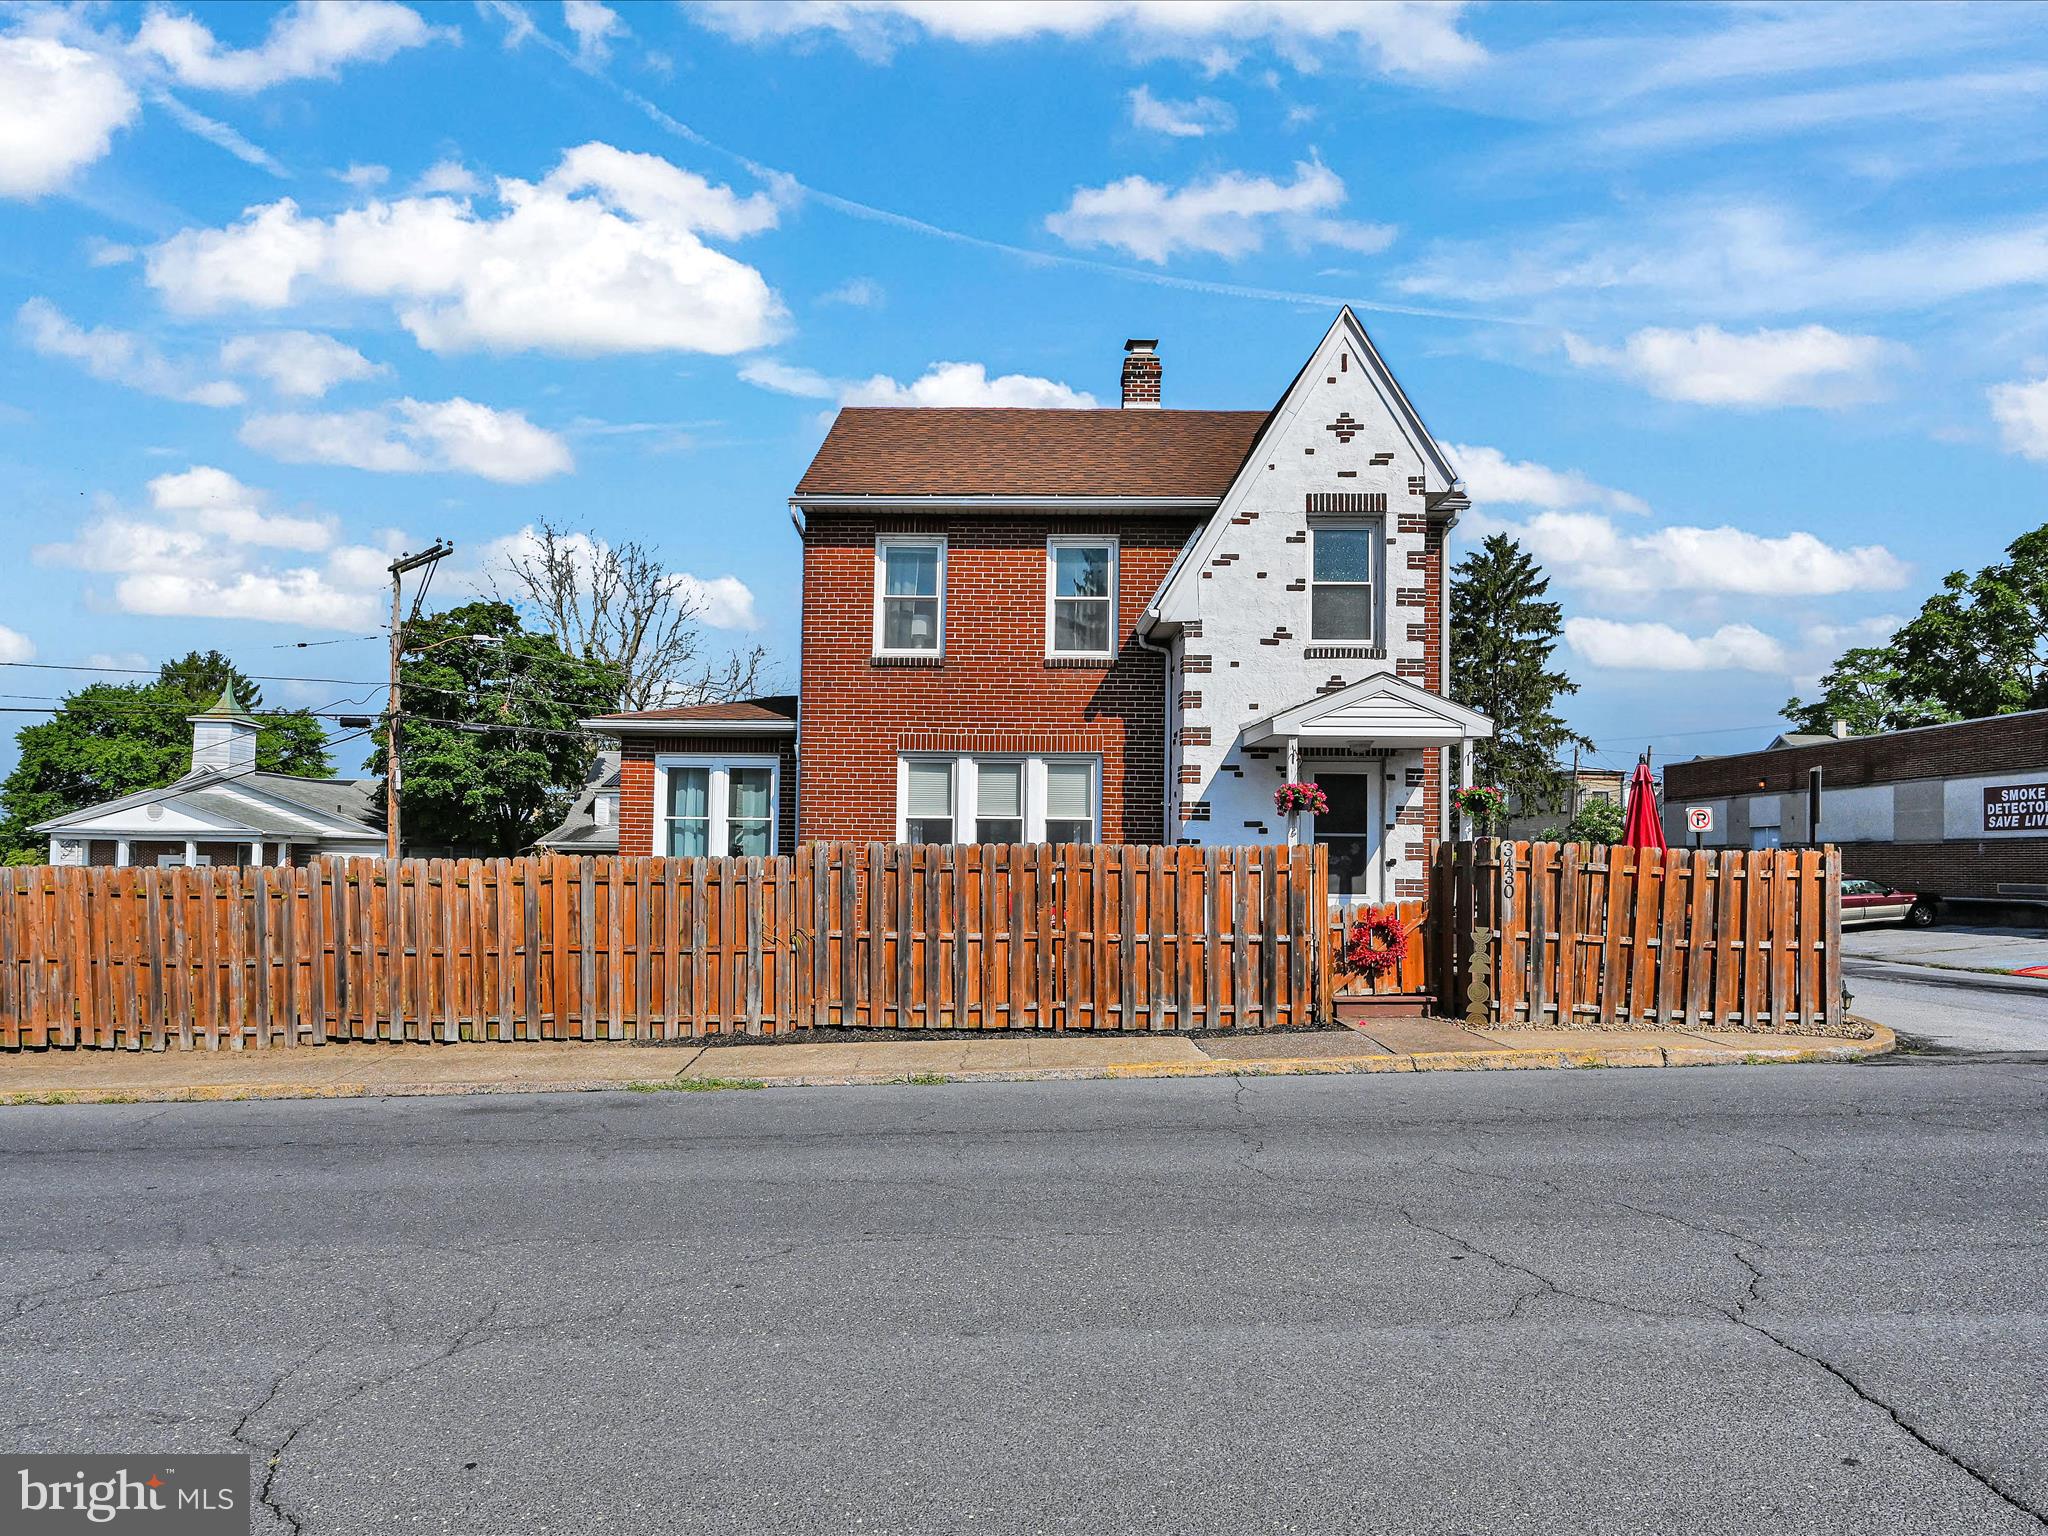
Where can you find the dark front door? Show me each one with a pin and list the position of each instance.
(1351, 832)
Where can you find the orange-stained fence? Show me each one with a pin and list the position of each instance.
(1551, 935)
(835, 935)
(1414, 975)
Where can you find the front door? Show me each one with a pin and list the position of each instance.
(1351, 832)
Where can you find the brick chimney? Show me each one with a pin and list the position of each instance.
(1141, 374)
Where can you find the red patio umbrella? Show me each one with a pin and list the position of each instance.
(1645, 827)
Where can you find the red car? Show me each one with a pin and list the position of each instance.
(1866, 902)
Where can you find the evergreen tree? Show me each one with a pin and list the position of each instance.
(1503, 634)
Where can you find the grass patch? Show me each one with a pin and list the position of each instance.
(920, 1079)
(695, 1084)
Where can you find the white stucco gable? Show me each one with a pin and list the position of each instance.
(1178, 600)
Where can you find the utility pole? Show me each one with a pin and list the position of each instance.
(440, 549)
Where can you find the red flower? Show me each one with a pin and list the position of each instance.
(1378, 942)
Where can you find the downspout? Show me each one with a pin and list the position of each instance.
(1170, 734)
(1443, 663)
(796, 795)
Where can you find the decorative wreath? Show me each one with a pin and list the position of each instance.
(1377, 944)
(1290, 799)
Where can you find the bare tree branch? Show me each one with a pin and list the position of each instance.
(619, 603)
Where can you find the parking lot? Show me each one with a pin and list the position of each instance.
(1952, 986)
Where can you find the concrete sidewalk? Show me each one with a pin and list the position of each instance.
(372, 1071)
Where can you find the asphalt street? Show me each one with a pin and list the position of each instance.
(1755, 1299)
(1946, 986)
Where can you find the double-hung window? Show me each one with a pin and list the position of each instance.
(998, 799)
(928, 800)
(1343, 582)
(1080, 616)
(910, 595)
(713, 806)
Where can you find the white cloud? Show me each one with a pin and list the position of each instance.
(202, 550)
(451, 177)
(59, 110)
(1180, 119)
(118, 357)
(595, 26)
(364, 178)
(298, 363)
(603, 255)
(307, 41)
(1491, 476)
(1709, 366)
(102, 252)
(1588, 550)
(15, 646)
(1228, 215)
(856, 292)
(2021, 411)
(1403, 37)
(722, 602)
(1660, 648)
(942, 384)
(416, 437)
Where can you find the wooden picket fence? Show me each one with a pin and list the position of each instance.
(1413, 977)
(1549, 935)
(836, 935)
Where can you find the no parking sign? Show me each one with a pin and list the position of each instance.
(1699, 818)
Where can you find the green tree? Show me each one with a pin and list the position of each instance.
(1865, 690)
(112, 739)
(489, 729)
(1503, 635)
(1977, 647)
(1598, 820)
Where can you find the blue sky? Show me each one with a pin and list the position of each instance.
(1734, 315)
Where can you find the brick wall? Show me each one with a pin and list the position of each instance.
(1964, 867)
(2000, 744)
(994, 689)
(636, 781)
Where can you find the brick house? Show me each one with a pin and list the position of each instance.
(1127, 625)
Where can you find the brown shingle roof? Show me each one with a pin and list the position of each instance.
(776, 708)
(902, 451)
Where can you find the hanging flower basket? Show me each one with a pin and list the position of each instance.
(1377, 943)
(1482, 808)
(1293, 799)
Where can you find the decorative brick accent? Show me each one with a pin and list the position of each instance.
(1192, 630)
(1190, 773)
(1194, 810)
(1194, 736)
(1349, 652)
(1384, 456)
(1407, 667)
(1417, 485)
(1346, 426)
(1190, 663)
(1191, 698)
(1347, 501)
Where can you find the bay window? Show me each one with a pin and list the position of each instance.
(716, 806)
(910, 595)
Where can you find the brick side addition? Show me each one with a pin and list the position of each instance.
(995, 689)
(636, 781)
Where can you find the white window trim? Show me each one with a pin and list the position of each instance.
(884, 542)
(1079, 541)
(719, 793)
(966, 788)
(1377, 527)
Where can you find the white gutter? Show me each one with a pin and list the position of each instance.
(690, 727)
(1008, 503)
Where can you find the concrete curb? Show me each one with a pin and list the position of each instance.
(1881, 1042)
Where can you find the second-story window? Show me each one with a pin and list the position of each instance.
(1081, 597)
(1342, 586)
(910, 596)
